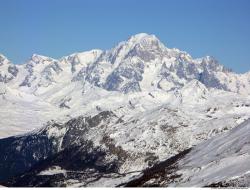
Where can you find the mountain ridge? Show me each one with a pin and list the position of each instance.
(116, 112)
(140, 63)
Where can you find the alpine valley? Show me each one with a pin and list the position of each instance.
(140, 114)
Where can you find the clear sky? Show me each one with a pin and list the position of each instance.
(220, 28)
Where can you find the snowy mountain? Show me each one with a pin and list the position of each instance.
(222, 161)
(115, 112)
(8, 71)
(140, 63)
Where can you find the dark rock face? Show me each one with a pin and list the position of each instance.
(125, 77)
(113, 82)
(48, 71)
(80, 162)
(63, 145)
(92, 74)
(18, 154)
(210, 80)
(12, 69)
(46, 75)
(81, 75)
(29, 78)
(10, 74)
(73, 60)
(4, 78)
(142, 53)
(160, 174)
(131, 87)
(27, 81)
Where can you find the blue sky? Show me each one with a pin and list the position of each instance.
(220, 28)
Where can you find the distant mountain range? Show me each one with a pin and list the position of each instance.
(140, 114)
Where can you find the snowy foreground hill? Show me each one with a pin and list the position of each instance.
(140, 114)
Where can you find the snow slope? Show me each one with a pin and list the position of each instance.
(164, 100)
(224, 158)
(221, 161)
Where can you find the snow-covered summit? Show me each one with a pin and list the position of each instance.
(142, 63)
(143, 39)
(139, 36)
(3, 60)
(40, 58)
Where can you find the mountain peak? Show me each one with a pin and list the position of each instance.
(3, 60)
(141, 35)
(194, 91)
(2, 56)
(210, 58)
(36, 58)
(137, 38)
